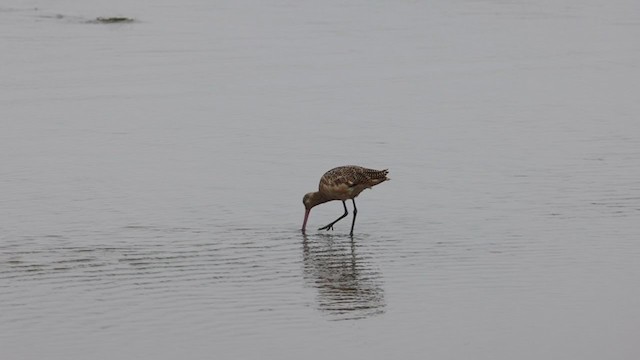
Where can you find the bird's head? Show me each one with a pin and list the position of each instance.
(307, 201)
(310, 200)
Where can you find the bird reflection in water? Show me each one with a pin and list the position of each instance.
(348, 286)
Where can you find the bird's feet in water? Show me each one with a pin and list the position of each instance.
(327, 227)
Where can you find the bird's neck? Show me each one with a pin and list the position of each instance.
(317, 198)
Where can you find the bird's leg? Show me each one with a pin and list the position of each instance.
(330, 226)
(355, 212)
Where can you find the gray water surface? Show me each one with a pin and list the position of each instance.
(152, 175)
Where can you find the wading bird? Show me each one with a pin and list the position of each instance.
(342, 183)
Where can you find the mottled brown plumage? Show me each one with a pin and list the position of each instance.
(342, 183)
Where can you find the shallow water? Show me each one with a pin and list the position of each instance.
(152, 177)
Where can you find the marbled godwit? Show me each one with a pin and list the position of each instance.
(342, 183)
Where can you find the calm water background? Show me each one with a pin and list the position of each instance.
(152, 175)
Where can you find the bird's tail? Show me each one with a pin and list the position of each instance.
(378, 176)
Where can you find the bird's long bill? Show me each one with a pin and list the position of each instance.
(306, 217)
